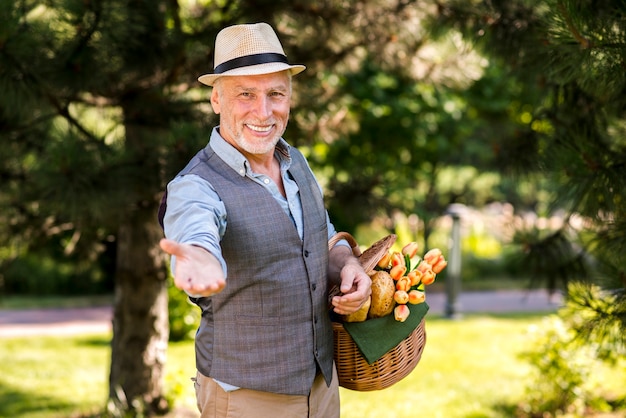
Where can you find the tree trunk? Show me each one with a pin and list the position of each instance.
(140, 321)
(140, 317)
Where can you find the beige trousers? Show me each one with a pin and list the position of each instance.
(214, 402)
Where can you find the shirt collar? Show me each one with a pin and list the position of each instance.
(231, 156)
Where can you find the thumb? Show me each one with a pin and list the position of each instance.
(347, 286)
(171, 247)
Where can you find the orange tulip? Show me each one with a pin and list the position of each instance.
(432, 255)
(436, 260)
(424, 266)
(428, 278)
(403, 283)
(410, 249)
(383, 263)
(401, 313)
(415, 277)
(416, 297)
(439, 266)
(397, 259)
(401, 297)
(397, 271)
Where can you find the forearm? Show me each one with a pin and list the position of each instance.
(195, 216)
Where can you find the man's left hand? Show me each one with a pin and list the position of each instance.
(356, 287)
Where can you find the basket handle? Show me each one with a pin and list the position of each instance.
(345, 235)
(334, 290)
(368, 259)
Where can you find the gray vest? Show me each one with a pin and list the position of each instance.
(269, 329)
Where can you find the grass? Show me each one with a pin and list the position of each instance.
(52, 377)
(468, 368)
(46, 377)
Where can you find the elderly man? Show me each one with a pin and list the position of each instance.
(247, 230)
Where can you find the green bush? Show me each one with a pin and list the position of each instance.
(570, 371)
(42, 274)
(561, 373)
(184, 316)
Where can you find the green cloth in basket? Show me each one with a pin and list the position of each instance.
(375, 337)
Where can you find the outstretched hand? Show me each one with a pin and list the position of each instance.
(197, 271)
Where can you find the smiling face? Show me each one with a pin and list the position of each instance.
(254, 110)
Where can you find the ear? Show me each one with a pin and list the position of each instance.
(215, 101)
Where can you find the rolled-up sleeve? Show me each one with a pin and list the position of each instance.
(195, 215)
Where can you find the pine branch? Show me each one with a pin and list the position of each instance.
(38, 85)
(584, 42)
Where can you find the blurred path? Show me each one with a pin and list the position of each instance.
(28, 322)
(501, 301)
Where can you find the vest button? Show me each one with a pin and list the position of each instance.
(314, 286)
(306, 253)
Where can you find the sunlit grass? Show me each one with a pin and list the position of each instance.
(470, 369)
(52, 377)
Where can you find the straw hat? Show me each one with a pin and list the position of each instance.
(248, 50)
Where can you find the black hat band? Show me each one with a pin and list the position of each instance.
(249, 60)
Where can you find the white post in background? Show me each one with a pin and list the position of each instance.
(453, 277)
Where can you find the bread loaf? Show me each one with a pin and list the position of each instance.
(383, 288)
(361, 314)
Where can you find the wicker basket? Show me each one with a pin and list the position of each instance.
(354, 371)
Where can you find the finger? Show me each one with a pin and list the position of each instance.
(190, 286)
(202, 290)
(346, 302)
(346, 309)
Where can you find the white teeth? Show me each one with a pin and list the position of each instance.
(260, 128)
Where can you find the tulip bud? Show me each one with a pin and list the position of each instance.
(416, 297)
(436, 260)
(432, 255)
(410, 249)
(424, 266)
(397, 259)
(401, 313)
(397, 271)
(383, 263)
(401, 297)
(415, 277)
(403, 283)
(439, 265)
(428, 277)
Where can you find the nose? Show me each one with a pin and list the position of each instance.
(264, 107)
